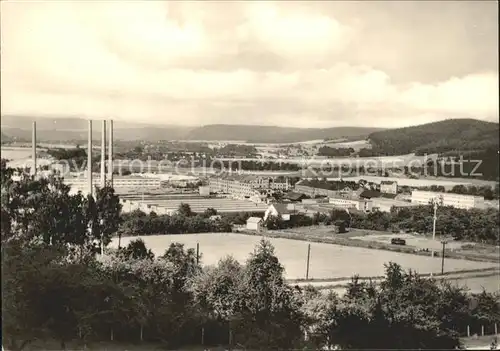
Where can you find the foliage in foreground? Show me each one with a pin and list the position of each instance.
(171, 299)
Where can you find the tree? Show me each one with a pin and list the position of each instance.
(185, 210)
(340, 226)
(104, 215)
(185, 263)
(22, 266)
(274, 222)
(218, 288)
(137, 250)
(267, 305)
(210, 212)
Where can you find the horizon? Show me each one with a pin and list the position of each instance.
(160, 124)
(301, 65)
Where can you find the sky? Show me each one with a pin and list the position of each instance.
(298, 64)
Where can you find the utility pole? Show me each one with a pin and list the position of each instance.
(102, 237)
(197, 253)
(435, 202)
(442, 256)
(308, 257)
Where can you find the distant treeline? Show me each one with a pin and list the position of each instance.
(486, 191)
(335, 152)
(468, 225)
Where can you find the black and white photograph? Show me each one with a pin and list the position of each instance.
(249, 175)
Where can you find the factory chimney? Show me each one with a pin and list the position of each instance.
(89, 160)
(103, 155)
(33, 149)
(110, 153)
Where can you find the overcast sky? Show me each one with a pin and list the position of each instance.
(310, 64)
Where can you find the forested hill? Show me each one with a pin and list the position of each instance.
(274, 134)
(453, 137)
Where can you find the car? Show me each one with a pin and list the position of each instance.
(398, 241)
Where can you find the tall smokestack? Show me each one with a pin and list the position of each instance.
(110, 153)
(33, 149)
(103, 155)
(89, 160)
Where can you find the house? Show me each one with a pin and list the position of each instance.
(388, 187)
(204, 190)
(280, 209)
(254, 223)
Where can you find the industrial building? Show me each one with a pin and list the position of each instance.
(245, 186)
(118, 182)
(310, 191)
(386, 205)
(198, 204)
(364, 205)
(447, 199)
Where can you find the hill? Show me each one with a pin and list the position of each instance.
(5, 138)
(476, 142)
(273, 134)
(452, 135)
(75, 129)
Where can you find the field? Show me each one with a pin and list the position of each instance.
(418, 242)
(326, 260)
(356, 145)
(16, 153)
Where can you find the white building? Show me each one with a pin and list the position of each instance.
(364, 205)
(283, 210)
(254, 223)
(204, 190)
(388, 187)
(448, 199)
(118, 182)
(284, 186)
(385, 205)
(240, 186)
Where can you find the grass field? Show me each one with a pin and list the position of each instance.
(15, 154)
(418, 242)
(326, 260)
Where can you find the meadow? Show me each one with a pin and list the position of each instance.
(326, 260)
(418, 242)
(16, 153)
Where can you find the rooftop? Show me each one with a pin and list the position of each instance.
(294, 196)
(369, 194)
(283, 208)
(387, 182)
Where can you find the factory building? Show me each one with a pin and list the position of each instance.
(245, 186)
(448, 199)
(386, 205)
(133, 182)
(364, 205)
